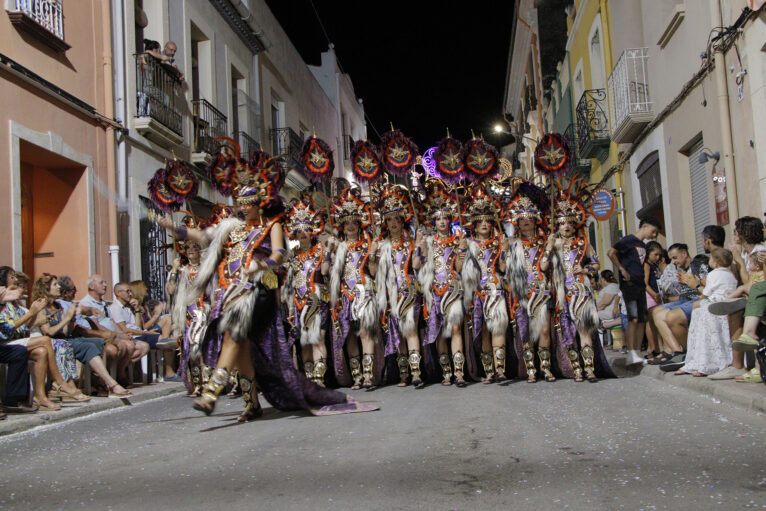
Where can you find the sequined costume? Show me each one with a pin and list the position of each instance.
(190, 323)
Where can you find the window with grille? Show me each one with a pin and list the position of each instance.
(649, 181)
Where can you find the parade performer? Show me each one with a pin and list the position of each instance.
(398, 295)
(304, 291)
(352, 293)
(190, 321)
(440, 257)
(239, 267)
(483, 280)
(528, 264)
(572, 258)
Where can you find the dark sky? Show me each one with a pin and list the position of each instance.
(423, 65)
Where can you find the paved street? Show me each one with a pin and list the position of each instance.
(543, 446)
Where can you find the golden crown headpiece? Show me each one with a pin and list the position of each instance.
(350, 206)
(303, 217)
(394, 201)
(482, 206)
(438, 202)
(571, 203)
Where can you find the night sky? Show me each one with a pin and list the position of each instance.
(423, 65)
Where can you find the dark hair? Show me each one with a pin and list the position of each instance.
(652, 246)
(665, 256)
(4, 272)
(679, 246)
(150, 45)
(714, 233)
(608, 275)
(65, 283)
(650, 220)
(750, 229)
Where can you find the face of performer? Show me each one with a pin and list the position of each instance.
(304, 239)
(394, 225)
(484, 228)
(351, 229)
(443, 225)
(527, 225)
(566, 229)
(192, 252)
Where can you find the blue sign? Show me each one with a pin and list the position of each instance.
(603, 203)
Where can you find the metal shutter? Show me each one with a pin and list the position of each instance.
(700, 196)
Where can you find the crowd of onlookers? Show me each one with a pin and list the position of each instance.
(694, 315)
(55, 332)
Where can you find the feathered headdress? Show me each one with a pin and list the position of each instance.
(529, 201)
(449, 160)
(365, 162)
(172, 185)
(553, 155)
(190, 222)
(394, 201)
(438, 202)
(316, 158)
(481, 206)
(255, 183)
(572, 203)
(398, 153)
(303, 217)
(481, 160)
(349, 206)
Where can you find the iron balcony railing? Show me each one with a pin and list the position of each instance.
(157, 90)
(580, 166)
(247, 144)
(348, 144)
(209, 124)
(593, 124)
(286, 141)
(46, 13)
(629, 89)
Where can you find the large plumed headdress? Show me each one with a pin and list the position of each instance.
(572, 203)
(438, 202)
(303, 217)
(365, 162)
(394, 201)
(449, 160)
(398, 153)
(481, 206)
(529, 201)
(349, 206)
(172, 185)
(481, 160)
(317, 160)
(553, 155)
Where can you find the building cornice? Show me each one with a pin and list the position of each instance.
(239, 25)
(576, 24)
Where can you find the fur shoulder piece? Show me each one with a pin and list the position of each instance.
(215, 239)
(516, 271)
(471, 274)
(336, 273)
(559, 273)
(383, 277)
(426, 274)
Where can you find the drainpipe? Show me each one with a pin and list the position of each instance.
(725, 114)
(110, 140)
(121, 110)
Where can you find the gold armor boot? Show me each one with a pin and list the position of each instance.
(458, 359)
(404, 369)
(446, 369)
(414, 360)
(207, 372)
(195, 377)
(489, 371)
(356, 365)
(320, 368)
(529, 362)
(210, 392)
(253, 408)
(368, 360)
(587, 359)
(544, 354)
(308, 368)
(499, 355)
(574, 361)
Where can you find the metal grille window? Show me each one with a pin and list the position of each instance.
(700, 195)
(153, 254)
(649, 181)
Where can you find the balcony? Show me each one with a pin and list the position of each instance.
(630, 105)
(348, 144)
(593, 125)
(44, 19)
(288, 142)
(157, 93)
(209, 124)
(580, 166)
(247, 144)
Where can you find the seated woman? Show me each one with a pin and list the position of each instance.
(54, 322)
(14, 331)
(156, 320)
(608, 295)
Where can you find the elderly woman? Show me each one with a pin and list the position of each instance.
(156, 320)
(54, 322)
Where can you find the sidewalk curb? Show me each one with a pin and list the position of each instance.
(750, 396)
(23, 422)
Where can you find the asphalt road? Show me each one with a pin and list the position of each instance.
(632, 443)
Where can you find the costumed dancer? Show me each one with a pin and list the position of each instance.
(352, 293)
(190, 321)
(305, 292)
(528, 264)
(572, 258)
(483, 280)
(398, 295)
(239, 265)
(441, 256)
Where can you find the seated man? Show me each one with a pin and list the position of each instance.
(100, 319)
(123, 313)
(672, 319)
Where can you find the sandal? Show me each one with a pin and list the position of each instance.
(117, 394)
(752, 376)
(77, 396)
(660, 359)
(652, 355)
(680, 372)
(53, 407)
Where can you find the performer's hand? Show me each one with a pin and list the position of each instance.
(576, 269)
(420, 239)
(176, 263)
(166, 222)
(549, 244)
(464, 243)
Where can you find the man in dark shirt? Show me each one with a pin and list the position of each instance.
(628, 256)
